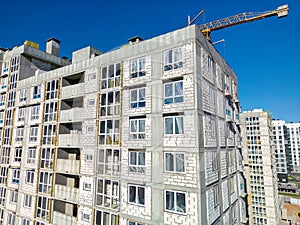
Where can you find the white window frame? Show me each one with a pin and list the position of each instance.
(49, 133)
(6, 65)
(29, 176)
(216, 194)
(25, 221)
(137, 132)
(3, 82)
(51, 89)
(21, 114)
(13, 198)
(107, 216)
(19, 134)
(2, 99)
(176, 160)
(31, 155)
(18, 154)
(176, 208)
(109, 132)
(33, 134)
(175, 96)
(35, 111)
(86, 217)
(42, 210)
(7, 134)
(2, 117)
(110, 103)
(11, 218)
(110, 193)
(16, 175)
(13, 81)
(137, 161)
(110, 76)
(3, 191)
(109, 161)
(138, 67)
(36, 92)
(210, 64)
(23, 95)
(1, 216)
(173, 59)
(45, 180)
(138, 98)
(11, 99)
(27, 201)
(5, 155)
(87, 186)
(3, 175)
(50, 111)
(14, 66)
(136, 196)
(9, 116)
(47, 158)
(174, 120)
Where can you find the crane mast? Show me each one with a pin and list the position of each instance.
(246, 17)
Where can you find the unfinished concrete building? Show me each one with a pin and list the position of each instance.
(260, 172)
(145, 134)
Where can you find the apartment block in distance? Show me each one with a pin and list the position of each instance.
(282, 150)
(260, 172)
(293, 136)
(145, 134)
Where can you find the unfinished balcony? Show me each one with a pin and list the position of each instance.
(71, 109)
(73, 86)
(66, 187)
(70, 134)
(68, 160)
(64, 213)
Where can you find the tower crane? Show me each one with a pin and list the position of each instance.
(246, 17)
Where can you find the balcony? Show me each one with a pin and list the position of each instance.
(227, 91)
(74, 114)
(66, 193)
(60, 218)
(69, 140)
(72, 91)
(67, 166)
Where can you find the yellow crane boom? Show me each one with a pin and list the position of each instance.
(247, 17)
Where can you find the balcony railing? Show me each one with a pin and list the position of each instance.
(74, 114)
(67, 166)
(66, 193)
(68, 140)
(60, 218)
(73, 91)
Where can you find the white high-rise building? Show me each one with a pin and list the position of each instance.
(282, 154)
(260, 172)
(293, 135)
(145, 134)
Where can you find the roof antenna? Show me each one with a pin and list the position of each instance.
(196, 17)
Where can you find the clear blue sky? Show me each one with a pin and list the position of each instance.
(264, 54)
